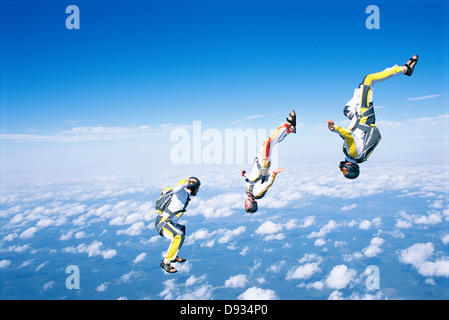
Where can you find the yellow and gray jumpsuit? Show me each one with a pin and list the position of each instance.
(259, 179)
(166, 223)
(363, 136)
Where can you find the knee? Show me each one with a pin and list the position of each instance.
(183, 229)
(367, 80)
(179, 237)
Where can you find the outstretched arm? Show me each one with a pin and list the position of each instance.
(349, 140)
(345, 134)
(330, 125)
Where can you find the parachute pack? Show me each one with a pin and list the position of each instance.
(371, 140)
(164, 199)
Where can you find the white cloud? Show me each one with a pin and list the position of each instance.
(218, 206)
(78, 134)
(140, 258)
(367, 296)
(203, 292)
(307, 221)
(184, 267)
(4, 263)
(249, 118)
(127, 277)
(17, 248)
(169, 290)
(433, 218)
(223, 235)
(80, 235)
(276, 267)
(308, 257)
(244, 251)
(133, 230)
(374, 248)
(331, 225)
(437, 204)
(45, 222)
(270, 237)
(349, 207)
(255, 293)
(309, 266)
(418, 256)
(336, 295)
(48, 285)
(304, 271)
(403, 224)
(424, 97)
(102, 287)
(445, 239)
(317, 285)
(173, 291)
(339, 277)
(192, 280)
(291, 224)
(268, 227)
(407, 220)
(108, 254)
(10, 237)
(229, 234)
(238, 281)
(94, 249)
(365, 225)
(28, 233)
(43, 264)
(200, 234)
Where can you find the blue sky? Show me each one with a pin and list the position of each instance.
(130, 61)
(227, 64)
(87, 117)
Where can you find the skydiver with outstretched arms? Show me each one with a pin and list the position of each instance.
(259, 180)
(362, 136)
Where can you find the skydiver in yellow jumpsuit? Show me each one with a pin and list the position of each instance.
(363, 136)
(170, 206)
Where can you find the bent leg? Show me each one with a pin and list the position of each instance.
(278, 135)
(177, 239)
(366, 99)
(373, 78)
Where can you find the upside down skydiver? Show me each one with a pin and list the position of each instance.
(259, 180)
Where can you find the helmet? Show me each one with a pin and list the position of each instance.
(350, 170)
(193, 185)
(250, 206)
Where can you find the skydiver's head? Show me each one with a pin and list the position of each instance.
(193, 185)
(350, 170)
(251, 205)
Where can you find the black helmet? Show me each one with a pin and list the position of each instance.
(251, 205)
(193, 185)
(352, 169)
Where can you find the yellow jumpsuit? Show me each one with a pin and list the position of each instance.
(360, 111)
(165, 224)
